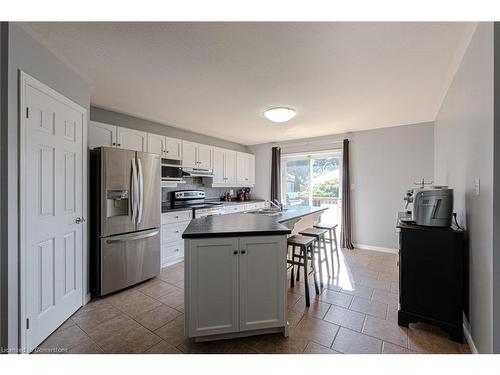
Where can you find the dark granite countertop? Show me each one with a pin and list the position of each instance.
(246, 224)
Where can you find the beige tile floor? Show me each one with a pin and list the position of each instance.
(355, 313)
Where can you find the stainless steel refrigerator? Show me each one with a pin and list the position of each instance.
(125, 209)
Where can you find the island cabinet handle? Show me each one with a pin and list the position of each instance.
(243, 251)
(235, 252)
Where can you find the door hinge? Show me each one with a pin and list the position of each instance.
(27, 324)
(27, 112)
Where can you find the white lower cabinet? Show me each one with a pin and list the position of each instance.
(173, 224)
(235, 285)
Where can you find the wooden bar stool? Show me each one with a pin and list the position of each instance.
(305, 246)
(332, 239)
(319, 242)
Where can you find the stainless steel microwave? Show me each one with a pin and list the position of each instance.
(171, 170)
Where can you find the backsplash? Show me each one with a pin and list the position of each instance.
(196, 183)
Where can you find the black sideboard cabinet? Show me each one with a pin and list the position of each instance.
(432, 283)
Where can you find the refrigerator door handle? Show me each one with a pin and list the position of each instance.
(135, 192)
(141, 191)
(133, 238)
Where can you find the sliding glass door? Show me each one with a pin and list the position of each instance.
(313, 180)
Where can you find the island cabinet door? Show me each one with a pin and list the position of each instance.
(262, 282)
(212, 289)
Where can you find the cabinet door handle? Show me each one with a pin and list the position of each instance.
(118, 144)
(113, 144)
(243, 251)
(235, 252)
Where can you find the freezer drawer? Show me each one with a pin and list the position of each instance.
(128, 259)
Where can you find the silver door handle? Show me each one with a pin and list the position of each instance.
(133, 238)
(135, 191)
(141, 191)
(79, 220)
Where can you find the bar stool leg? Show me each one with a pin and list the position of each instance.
(313, 262)
(320, 265)
(298, 272)
(292, 276)
(326, 256)
(336, 246)
(306, 281)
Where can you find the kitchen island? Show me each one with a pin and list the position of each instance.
(235, 272)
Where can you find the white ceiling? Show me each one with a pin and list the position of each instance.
(217, 78)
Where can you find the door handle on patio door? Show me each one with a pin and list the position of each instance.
(141, 190)
(135, 191)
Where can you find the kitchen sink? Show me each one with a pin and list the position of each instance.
(267, 211)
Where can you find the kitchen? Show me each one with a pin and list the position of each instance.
(257, 220)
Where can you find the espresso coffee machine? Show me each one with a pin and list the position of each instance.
(429, 206)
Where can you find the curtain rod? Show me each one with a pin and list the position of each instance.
(316, 142)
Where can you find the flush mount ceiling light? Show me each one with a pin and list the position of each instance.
(279, 114)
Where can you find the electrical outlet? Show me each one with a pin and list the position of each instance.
(477, 185)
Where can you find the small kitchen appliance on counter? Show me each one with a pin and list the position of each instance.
(429, 206)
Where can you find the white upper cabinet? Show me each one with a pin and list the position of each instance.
(224, 166)
(173, 148)
(245, 167)
(219, 172)
(130, 139)
(189, 154)
(101, 134)
(251, 169)
(169, 148)
(196, 155)
(230, 166)
(205, 156)
(156, 144)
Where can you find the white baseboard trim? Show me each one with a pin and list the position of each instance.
(468, 336)
(376, 248)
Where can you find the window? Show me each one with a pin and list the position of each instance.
(313, 180)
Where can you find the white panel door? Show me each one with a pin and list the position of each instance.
(173, 148)
(251, 169)
(230, 166)
(204, 156)
(263, 298)
(241, 168)
(101, 134)
(212, 277)
(156, 144)
(218, 167)
(189, 154)
(131, 139)
(53, 202)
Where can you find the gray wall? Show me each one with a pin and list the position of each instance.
(28, 55)
(464, 152)
(384, 164)
(116, 118)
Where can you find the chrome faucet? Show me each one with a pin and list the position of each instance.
(276, 203)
